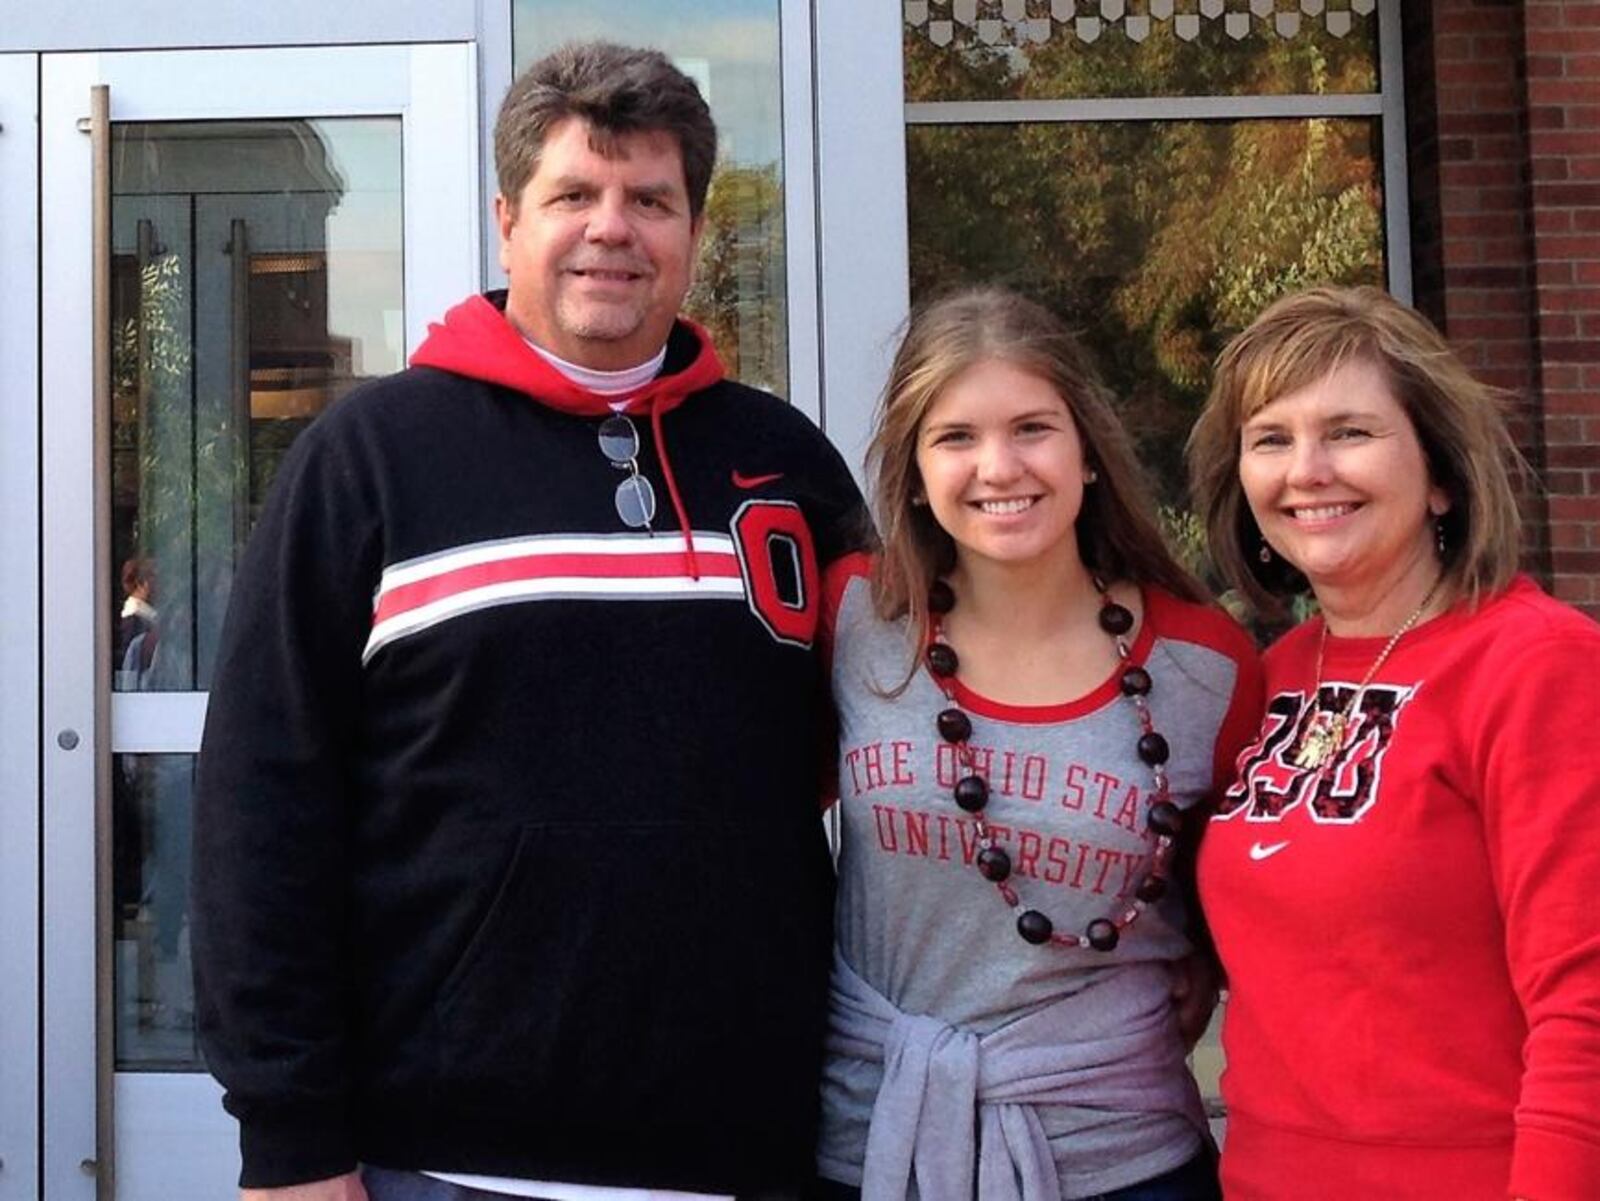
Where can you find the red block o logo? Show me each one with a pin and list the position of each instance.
(779, 565)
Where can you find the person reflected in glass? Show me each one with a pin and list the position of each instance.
(1034, 701)
(138, 624)
(1399, 879)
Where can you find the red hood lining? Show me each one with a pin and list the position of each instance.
(477, 341)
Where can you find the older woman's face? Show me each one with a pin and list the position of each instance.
(1337, 481)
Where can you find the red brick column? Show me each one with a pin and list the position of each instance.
(1562, 42)
(1503, 115)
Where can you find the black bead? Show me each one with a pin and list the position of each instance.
(1136, 682)
(1165, 818)
(1153, 749)
(1115, 618)
(954, 726)
(940, 598)
(972, 793)
(1103, 934)
(1034, 926)
(942, 659)
(994, 865)
(1151, 889)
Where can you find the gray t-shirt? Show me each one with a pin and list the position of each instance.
(1068, 800)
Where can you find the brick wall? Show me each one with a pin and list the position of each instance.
(1503, 109)
(1563, 88)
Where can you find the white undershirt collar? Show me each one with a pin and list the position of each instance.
(622, 383)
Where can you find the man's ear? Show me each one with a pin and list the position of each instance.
(697, 229)
(505, 218)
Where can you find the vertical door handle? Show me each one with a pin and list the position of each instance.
(102, 1163)
(239, 374)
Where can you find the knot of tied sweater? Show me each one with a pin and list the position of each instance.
(958, 1110)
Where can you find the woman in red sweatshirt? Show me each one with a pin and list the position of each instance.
(1400, 879)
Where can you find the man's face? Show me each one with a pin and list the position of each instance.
(600, 251)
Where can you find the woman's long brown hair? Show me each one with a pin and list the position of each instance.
(1118, 536)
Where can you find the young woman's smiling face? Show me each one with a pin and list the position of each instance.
(1338, 483)
(1002, 465)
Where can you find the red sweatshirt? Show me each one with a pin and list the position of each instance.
(1411, 937)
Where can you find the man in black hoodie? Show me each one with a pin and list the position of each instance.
(509, 877)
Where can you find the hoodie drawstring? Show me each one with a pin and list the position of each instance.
(476, 340)
(672, 491)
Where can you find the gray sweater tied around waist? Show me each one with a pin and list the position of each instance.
(1100, 1048)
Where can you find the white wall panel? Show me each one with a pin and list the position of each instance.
(19, 649)
(861, 200)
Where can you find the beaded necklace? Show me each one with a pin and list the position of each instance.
(1163, 819)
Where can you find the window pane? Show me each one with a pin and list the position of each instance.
(256, 278)
(1048, 49)
(1156, 239)
(729, 48)
(153, 985)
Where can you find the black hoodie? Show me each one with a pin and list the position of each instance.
(508, 858)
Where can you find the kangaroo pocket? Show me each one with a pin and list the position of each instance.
(659, 972)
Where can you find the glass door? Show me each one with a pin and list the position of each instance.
(240, 239)
(19, 653)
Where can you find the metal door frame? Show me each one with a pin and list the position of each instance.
(88, 1111)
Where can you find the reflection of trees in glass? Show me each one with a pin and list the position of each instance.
(162, 318)
(152, 365)
(738, 290)
(1213, 63)
(1296, 203)
(1156, 239)
(162, 465)
(149, 307)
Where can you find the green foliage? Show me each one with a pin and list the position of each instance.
(1185, 536)
(1156, 239)
(161, 322)
(151, 363)
(739, 280)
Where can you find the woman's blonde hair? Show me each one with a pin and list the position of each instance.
(1118, 538)
(1301, 339)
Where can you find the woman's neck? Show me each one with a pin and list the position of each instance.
(1378, 607)
(1030, 637)
(1025, 603)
